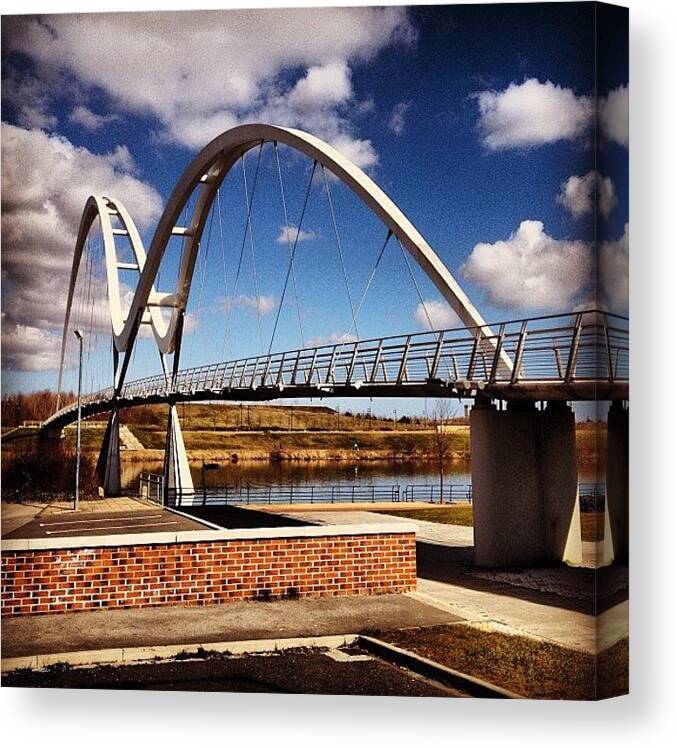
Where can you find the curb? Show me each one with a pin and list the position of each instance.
(474, 686)
(117, 656)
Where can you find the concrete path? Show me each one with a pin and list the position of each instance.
(157, 626)
(15, 515)
(512, 614)
(447, 535)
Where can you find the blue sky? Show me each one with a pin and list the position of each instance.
(476, 120)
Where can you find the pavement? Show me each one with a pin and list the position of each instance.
(99, 524)
(158, 626)
(443, 534)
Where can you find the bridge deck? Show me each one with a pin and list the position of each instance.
(577, 357)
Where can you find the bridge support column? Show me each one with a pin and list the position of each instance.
(108, 464)
(617, 479)
(176, 471)
(525, 486)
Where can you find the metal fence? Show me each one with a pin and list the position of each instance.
(151, 487)
(431, 493)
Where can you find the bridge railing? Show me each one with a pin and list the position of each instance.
(562, 349)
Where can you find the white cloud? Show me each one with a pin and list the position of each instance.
(45, 183)
(396, 122)
(28, 348)
(578, 194)
(89, 120)
(530, 270)
(613, 273)
(288, 234)
(532, 114)
(263, 304)
(199, 73)
(613, 115)
(440, 314)
(331, 339)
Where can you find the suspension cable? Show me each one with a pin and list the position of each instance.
(339, 248)
(230, 307)
(289, 240)
(254, 263)
(416, 286)
(370, 279)
(292, 254)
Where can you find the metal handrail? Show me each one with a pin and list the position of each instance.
(592, 346)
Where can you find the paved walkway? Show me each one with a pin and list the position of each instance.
(15, 515)
(447, 535)
(157, 626)
(512, 612)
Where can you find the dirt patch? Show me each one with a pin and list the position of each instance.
(523, 665)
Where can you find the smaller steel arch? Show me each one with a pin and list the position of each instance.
(105, 208)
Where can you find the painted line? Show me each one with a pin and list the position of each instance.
(102, 520)
(127, 526)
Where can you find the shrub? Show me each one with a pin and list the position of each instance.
(45, 471)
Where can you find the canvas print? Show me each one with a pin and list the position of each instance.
(315, 351)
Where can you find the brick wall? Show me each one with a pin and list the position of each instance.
(205, 572)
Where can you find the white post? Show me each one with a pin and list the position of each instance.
(76, 500)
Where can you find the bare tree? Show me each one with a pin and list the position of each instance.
(442, 438)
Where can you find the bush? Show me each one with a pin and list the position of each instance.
(45, 471)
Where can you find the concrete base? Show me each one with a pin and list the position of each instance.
(617, 479)
(108, 465)
(176, 470)
(525, 486)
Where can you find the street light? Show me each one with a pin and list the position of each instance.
(78, 335)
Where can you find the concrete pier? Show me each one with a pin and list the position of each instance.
(176, 471)
(108, 464)
(524, 473)
(617, 479)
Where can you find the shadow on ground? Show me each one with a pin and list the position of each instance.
(582, 590)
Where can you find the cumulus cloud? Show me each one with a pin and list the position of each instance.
(613, 115)
(396, 122)
(613, 273)
(331, 339)
(89, 120)
(533, 113)
(530, 270)
(289, 66)
(288, 235)
(262, 305)
(438, 312)
(28, 348)
(578, 194)
(45, 183)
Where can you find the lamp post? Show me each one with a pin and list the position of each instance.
(76, 500)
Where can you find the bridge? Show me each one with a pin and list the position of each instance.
(523, 457)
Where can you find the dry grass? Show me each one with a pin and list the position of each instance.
(457, 515)
(523, 665)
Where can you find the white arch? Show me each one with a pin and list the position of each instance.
(207, 170)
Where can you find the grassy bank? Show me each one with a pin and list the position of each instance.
(535, 669)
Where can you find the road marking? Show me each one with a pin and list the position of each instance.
(106, 528)
(103, 520)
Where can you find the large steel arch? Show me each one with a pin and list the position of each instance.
(206, 172)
